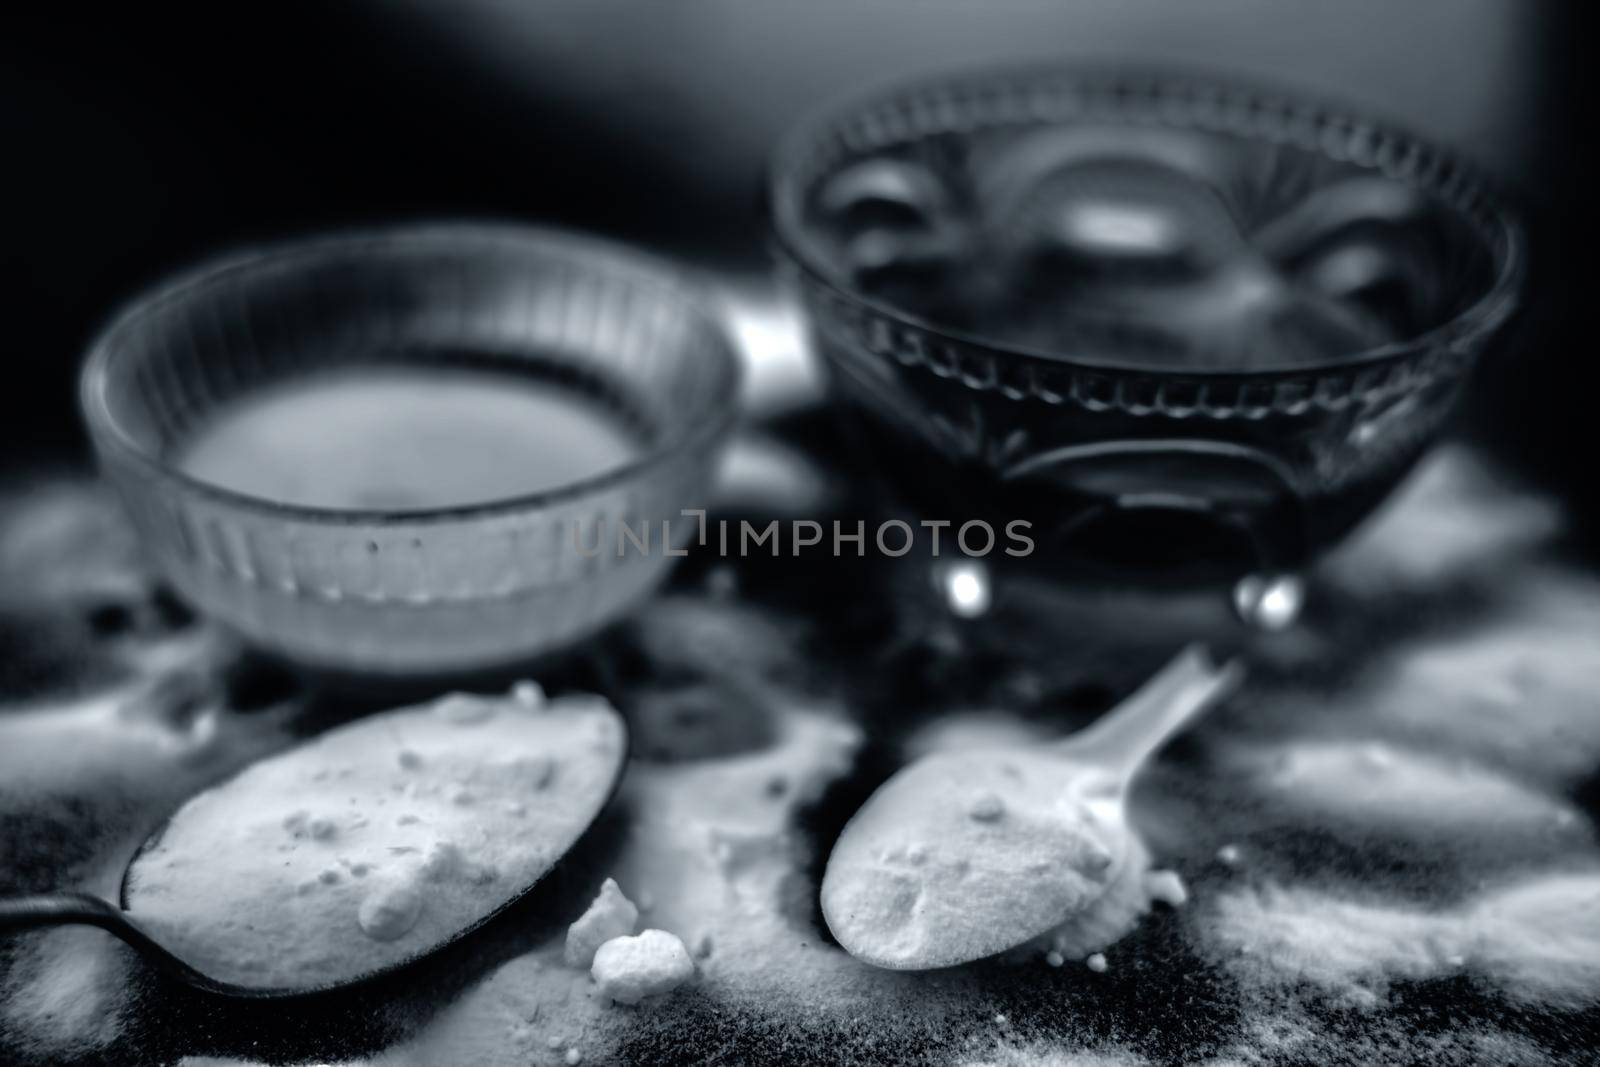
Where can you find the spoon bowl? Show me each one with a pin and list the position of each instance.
(591, 795)
(963, 855)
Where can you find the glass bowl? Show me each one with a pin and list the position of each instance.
(1068, 296)
(422, 591)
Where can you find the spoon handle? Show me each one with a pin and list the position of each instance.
(1125, 737)
(59, 909)
(69, 908)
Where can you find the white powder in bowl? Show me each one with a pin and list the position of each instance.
(376, 841)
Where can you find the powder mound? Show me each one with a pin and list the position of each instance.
(390, 911)
(1166, 887)
(1537, 939)
(1372, 784)
(70, 993)
(1351, 949)
(611, 915)
(628, 969)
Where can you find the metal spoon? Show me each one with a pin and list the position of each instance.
(962, 855)
(70, 907)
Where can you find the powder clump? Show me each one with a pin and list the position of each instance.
(628, 969)
(611, 915)
(390, 911)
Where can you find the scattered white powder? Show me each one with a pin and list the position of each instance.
(721, 854)
(610, 915)
(966, 730)
(111, 764)
(1375, 784)
(1537, 939)
(71, 991)
(1451, 519)
(1345, 947)
(1052, 1054)
(376, 841)
(719, 850)
(159, 737)
(1519, 693)
(628, 969)
(67, 542)
(1280, 1031)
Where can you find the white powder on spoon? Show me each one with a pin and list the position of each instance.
(926, 873)
(1114, 914)
(377, 841)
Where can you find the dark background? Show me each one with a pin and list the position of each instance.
(140, 137)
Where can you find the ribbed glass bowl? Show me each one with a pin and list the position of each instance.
(429, 591)
(1061, 295)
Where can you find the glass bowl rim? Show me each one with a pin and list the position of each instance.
(1155, 84)
(670, 281)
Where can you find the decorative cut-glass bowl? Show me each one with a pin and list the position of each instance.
(1079, 296)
